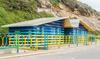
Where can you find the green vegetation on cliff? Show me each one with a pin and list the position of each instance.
(12, 11)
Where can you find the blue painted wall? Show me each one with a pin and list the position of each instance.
(52, 28)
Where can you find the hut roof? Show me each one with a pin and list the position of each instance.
(91, 24)
(34, 22)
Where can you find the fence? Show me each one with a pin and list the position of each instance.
(36, 42)
(97, 38)
(79, 40)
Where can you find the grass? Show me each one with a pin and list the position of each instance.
(12, 11)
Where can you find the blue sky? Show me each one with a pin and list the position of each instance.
(93, 3)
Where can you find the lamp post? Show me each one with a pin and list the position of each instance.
(17, 40)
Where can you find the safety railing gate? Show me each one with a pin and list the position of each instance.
(31, 41)
(80, 40)
(36, 41)
(5, 43)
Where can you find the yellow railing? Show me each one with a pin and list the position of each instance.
(98, 38)
(37, 41)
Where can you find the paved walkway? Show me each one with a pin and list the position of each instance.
(54, 51)
(88, 53)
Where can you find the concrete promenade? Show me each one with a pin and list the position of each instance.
(62, 50)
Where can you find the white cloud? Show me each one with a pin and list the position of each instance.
(93, 3)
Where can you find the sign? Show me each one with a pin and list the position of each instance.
(74, 22)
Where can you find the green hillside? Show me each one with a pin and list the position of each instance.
(12, 11)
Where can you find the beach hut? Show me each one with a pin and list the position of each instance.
(43, 33)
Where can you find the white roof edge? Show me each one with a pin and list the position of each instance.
(34, 22)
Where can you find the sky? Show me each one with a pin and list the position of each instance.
(93, 3)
